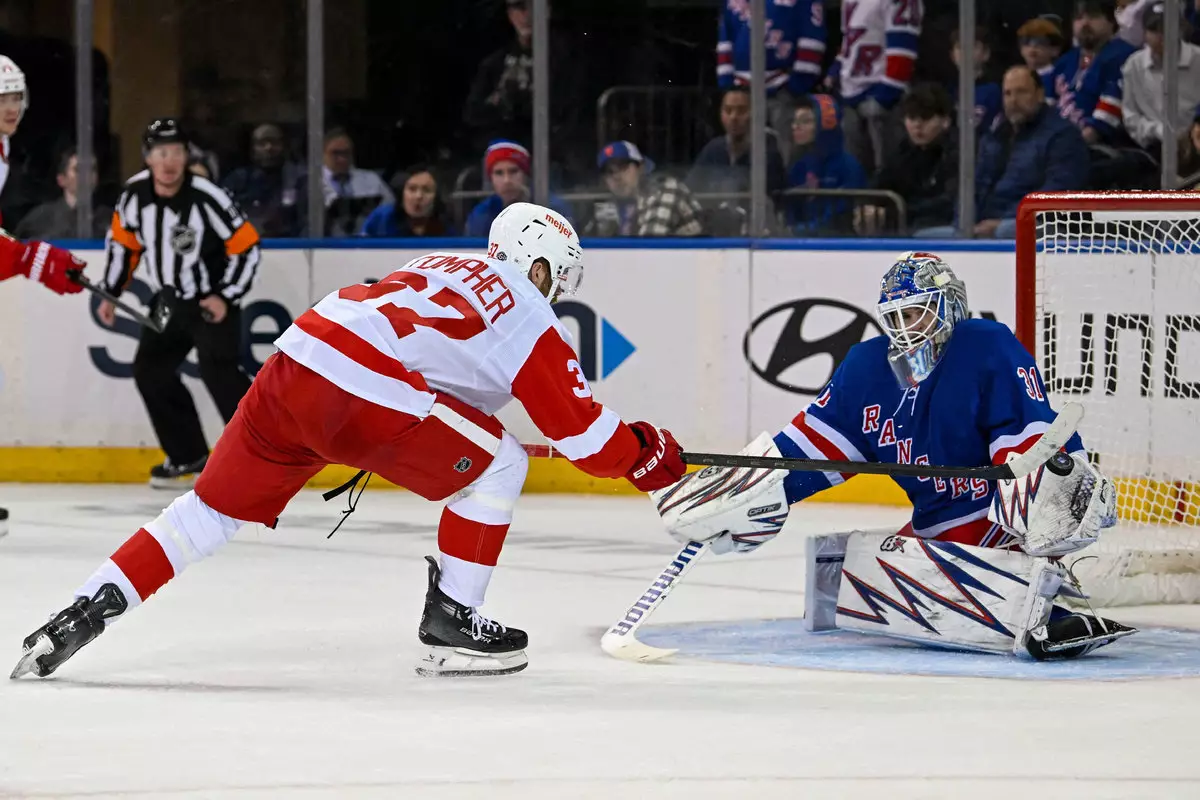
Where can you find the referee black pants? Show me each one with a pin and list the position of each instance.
(156, 371)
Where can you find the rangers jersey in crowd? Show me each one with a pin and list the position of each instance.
(879, 49)
(470, 327)
(795, 44)
(984, 400)
(1087, 90)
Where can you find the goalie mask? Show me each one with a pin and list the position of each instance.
(920, 302)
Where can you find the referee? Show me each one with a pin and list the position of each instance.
(201, 255)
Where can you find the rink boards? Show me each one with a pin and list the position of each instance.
(716, 341)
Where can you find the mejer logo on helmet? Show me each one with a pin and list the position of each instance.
(524, 234)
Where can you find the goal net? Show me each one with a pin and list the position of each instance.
(1108, 301)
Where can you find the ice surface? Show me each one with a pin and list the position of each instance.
(283, 666)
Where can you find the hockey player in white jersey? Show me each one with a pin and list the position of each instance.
(979, 565)
(873, 70)
(400, 378)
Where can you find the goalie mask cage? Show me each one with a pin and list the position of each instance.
(1108, 301)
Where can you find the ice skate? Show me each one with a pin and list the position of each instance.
(73, 627)
(459, 642)
(3, 522)
(168, 475)
(1073, 635)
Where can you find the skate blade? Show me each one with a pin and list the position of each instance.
(28, 663)
(459, 662)
(179, 484)
(1098, 641)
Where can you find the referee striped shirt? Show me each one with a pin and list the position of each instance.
(197, 241)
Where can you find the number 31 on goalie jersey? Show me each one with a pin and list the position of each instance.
(1032, 382)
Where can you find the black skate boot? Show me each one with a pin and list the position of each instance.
(1072, 635)
(73, 627)
(3, 521)
(459, 642)
(168, 475)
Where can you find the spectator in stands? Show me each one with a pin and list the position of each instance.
(1041, 42)
(1189, 152)
(923, 169)
(723, 165)
(419, 211)
(1143, 101)
(350, 193)
(1032, 150)
(795, 51)
(988, 102)
(1085, 84)
(873, 72)
(506, 164)
(56, 219)
(821, 162)
(645, 204)
(1003, 19)
(500, 102)
(267, 190)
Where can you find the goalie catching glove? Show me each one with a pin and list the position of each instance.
(733, 508)
(1058, 508)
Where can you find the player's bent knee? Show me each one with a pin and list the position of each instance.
(193, 529)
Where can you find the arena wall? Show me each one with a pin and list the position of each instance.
(714, 339)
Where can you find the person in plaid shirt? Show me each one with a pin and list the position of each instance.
(645, 204)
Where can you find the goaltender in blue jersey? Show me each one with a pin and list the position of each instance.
(938, 388)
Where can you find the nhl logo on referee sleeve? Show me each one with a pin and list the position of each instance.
(463, 464)
(183, 239)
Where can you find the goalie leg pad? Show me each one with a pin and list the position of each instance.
(734, 508)
(944, 594)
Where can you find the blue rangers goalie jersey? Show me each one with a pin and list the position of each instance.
(984, 400)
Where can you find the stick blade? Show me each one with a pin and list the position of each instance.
(1053, 440)
(628, 648)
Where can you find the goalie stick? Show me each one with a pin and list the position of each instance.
(620, 641)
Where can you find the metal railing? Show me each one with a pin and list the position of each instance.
(668, 123)
(873, 211)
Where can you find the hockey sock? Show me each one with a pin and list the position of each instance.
(470, 550)
(187, 531)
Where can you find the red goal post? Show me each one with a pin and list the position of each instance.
(1045, 202)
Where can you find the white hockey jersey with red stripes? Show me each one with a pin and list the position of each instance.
(474, 328)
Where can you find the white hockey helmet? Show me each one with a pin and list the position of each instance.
(12, 80)
(523, 232)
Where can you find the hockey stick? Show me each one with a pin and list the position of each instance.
(1048, 444)
(157, 321)
(620, 641)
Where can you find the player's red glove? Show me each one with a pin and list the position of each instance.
(660, 462)
(49, 264)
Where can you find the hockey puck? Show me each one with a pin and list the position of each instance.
(1060, 464)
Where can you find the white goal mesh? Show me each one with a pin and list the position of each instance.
(1117, 328)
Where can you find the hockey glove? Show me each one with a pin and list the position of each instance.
(735, 509)
(659, 463)
(1058, 508)
(49, 264)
